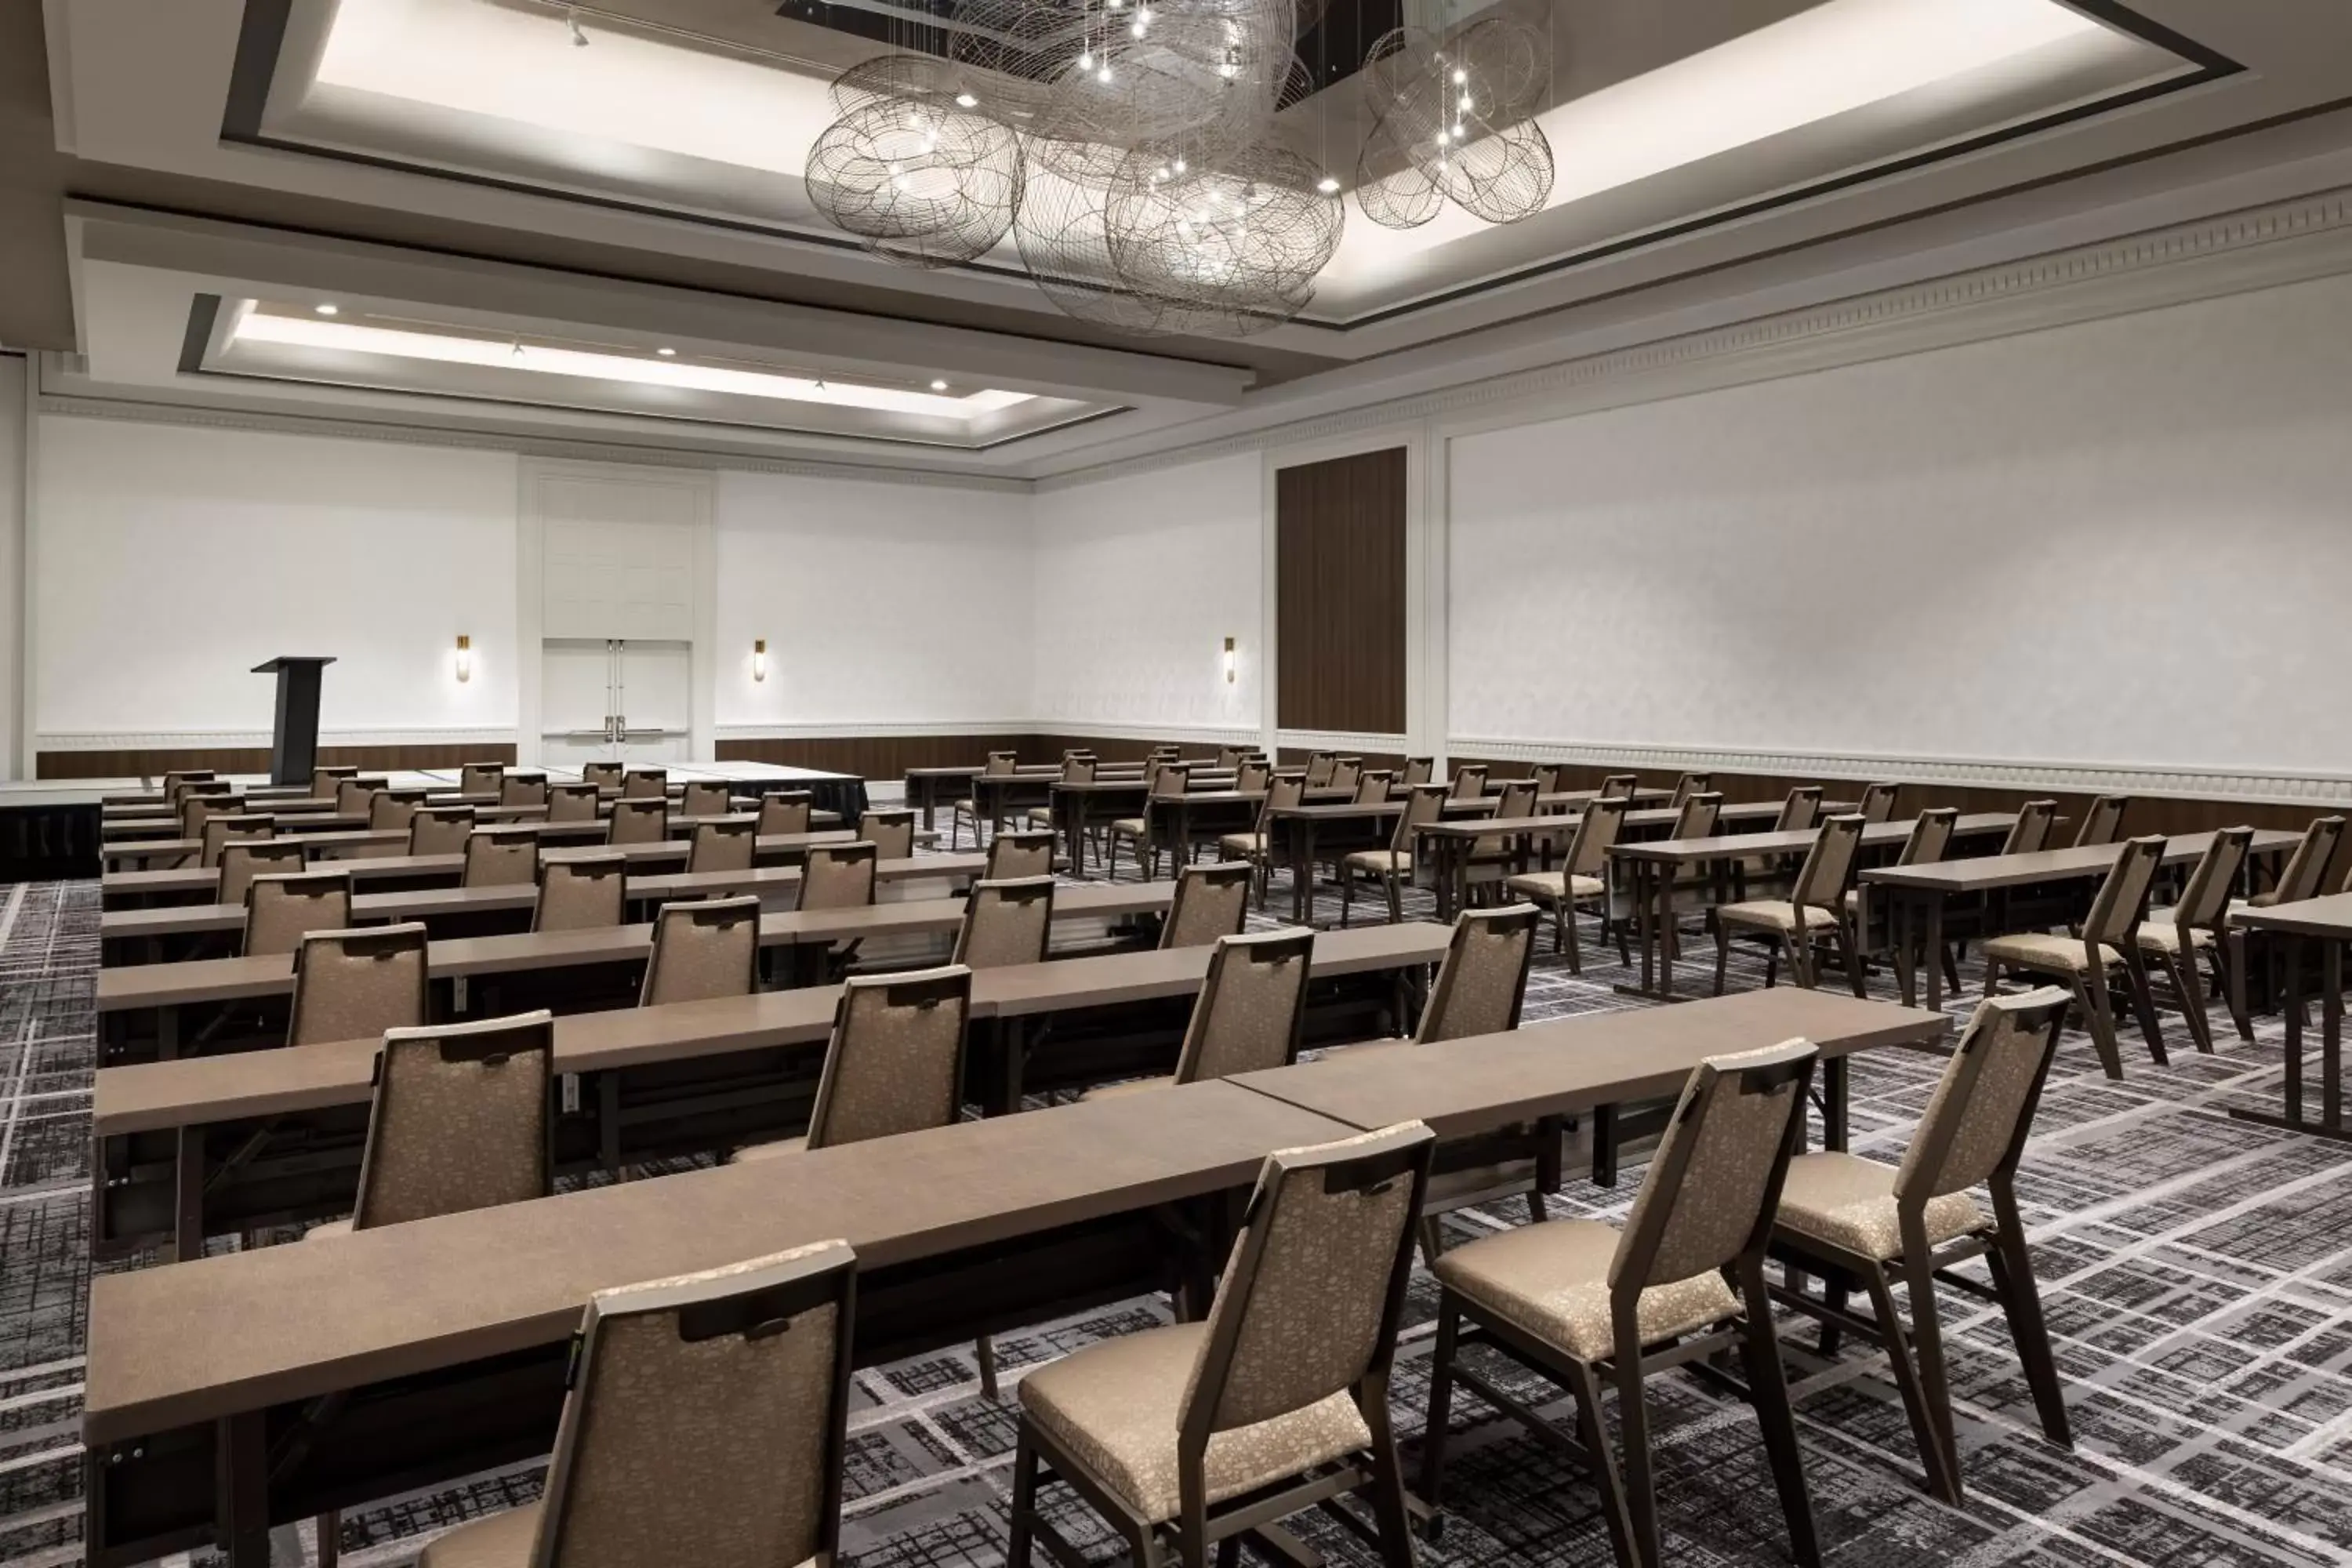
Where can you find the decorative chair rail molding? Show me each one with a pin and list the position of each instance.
(872, 731)
(1340, 740)
(165, 740)
(1181, 735)
(2278, 787)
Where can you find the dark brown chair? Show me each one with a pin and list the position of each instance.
(702, 950)
(644, 784)
(355, 984)
(1469, 783)
(2029, 834)
(1690, 784)
(242, 860)
(1168, 783)
(1000, 764)
(1212, 902)
(706, 797)
(1816, 907)
(280, 911)
(574, 802)
(2198, 927)
(1878, 802)
(645, 820)
(1251, 1013)
(527, 794)
(837, 876)
(2109, 942)
(1582, 877)
(1417, 771)
(1021, 852)
(730, 845)
(786, 811)
(581, 892)
(1619, 786)
(500, 856)
(1282, 791)
(1319, 768)
(480, 778)
(892, 831)
(2103, 822)
(1484, 979)
(1006, 923)
(604, 775)
(222, 828)
(440, 829)
(1393, 867)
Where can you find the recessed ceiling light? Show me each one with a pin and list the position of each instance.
(329, 310)
(666, 354)
(966, 100)
(938, 387)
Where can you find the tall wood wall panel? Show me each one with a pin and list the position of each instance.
(1339, 595)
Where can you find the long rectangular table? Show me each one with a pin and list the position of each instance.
(2325, 923)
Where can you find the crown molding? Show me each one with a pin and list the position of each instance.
(2277, 787)
(2288, 242)
(165, 740)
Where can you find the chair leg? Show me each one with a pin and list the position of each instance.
(1927, 1347)
(1389, 1511)
(330, 1544)
(1951, 972)
(2237, 1014)
(1992, 976)
(1441, 1402)
(1834, 1295)
(2143, 999)
(2185, 984)
(1560, 926)
(1722, 956)
(1536, 1211)
(2013, 1276)
(1768, 1388)
(1849, 939)
(1907, 1383)
(1633, 1434)
(1565, 913)
(1432, 1239)
(1396, 896)
(2093, 989)
(985, 1351)
(1024, 1500)
(1586, 1388)
(1346, 895)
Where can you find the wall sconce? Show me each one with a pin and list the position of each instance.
(1229, 661)
(759, 659)
(465, 658)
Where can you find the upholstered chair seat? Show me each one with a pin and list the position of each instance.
(1552, 1281)
(2041, 952)
(501, 1540)
(1383, 862)
(2160, 933)
(1551, 886)
(753, 1153)
(1849, 1201)
(1775, 914)
(1245, 846)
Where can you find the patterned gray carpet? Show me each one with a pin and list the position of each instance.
(2198, 1274)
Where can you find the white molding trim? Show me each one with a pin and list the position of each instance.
(871, 732)
(2261, 248)
(1182, 734)
(1341, 740)
(2279, 786)
(165, 740)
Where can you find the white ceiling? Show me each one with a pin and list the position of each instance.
(1759, 156)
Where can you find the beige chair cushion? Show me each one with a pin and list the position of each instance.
(2050, 954)
(776, 1150)
(1773, 914)
(1134, 1086)
(1131, 826)
(1115, 1405)
(331, 1227)
(1245, 846)
(1849, 1201)
(1546, 887)
(2160, 933)
(1552, 1281)
(1380, 862)
(501, 1540)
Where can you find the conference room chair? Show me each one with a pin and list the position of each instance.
(1469, 783)
(1855, 1222)
(177, 779)
(1021, 852)
(1482, 980)
(480, 778)
(1800, 811)
(645, 820)
(2109, 943)
(2029, 834)
(2103, 822)
(1696, 813)
(440, 829)
(702, 949)
(355, 984)
(723, 846)
(195, 810)
(1577, 1301)
(1371, 786)
(1005, 923)
(1877, 804)
(1491, 857)
(1168, 783)
(1077, 768)
(786, 811)
(1283, 791)
(1980, 914)
(1167, 751)
(388, 812)
(837, 876)
(499, 857)
(1252, 776)
(998, 765)
(524, 793)
(581, 892)
(1250, 1013)
(1417, 771)
(891, 829)
(244, 859)
(1619, 786)
(705, 797)
(705, 1424)
(1392, 867)
(1691, 785)
(1230, 757)
(1212, 902)
(604, 775)
(221, 829)
(1345, 772)
(1816, 907)
(1182, 1438)
(644, 784)
(1581, 878)
(2197, 930)
(354, 798)
(1319, 768)
(1930, 838)
(326, 779)
(574, 801)
(282, 909)
(2300, 877)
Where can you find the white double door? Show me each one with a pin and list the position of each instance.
(614, 698)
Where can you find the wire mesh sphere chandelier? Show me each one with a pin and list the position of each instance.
(1456, 123)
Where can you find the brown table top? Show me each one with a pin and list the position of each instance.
(1573, 1064)
(1987, 871)
(1178, 971)
(1572, 798)
(1739, 846)
(169, 1347)
(2324, 917)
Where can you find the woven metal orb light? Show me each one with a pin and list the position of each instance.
(1454, 122)
(1235, 245)
(920, 181)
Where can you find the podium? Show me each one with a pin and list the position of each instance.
(294, 739)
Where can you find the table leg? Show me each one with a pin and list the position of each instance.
(2331, 1035)
(1604, 1145)
(1078, 803)
(1662, 928)
(1898, 937)
(241, 1472)
(1010, 1045)
(188, 1197)
(1302, 871)
(608, 1119)
(167, 1032)
(1642, 933)
(1931, 955)
(1836, 1094)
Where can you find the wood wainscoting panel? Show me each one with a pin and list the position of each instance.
(154, 762)
(1339, 594)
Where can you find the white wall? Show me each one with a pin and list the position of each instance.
(14, 391)
(1140, 580)
(171, 559)
(882, 604)
(2120, 542)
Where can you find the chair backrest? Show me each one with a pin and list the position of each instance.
(387, 810)
(2031, 831)
(326, 779)
(1484, 979)
(1596, 830)
(527, 793)
(500, 856)
(1690, 784)
(644, 820)
(1469, 783)
(1345, 772)
(1828, 872)
(281, 910)
(1315, 1286)
(1797, 812)
(1372, 786)
(355, 984)
(354, 798)
(1696, 815)
(2103, 822)
(1417, 770)
(1001, 764)
(461, 1119)
(2204, 903)
(1878, 802)
(604, 775)
(724, 846)
(480, 778)
(786, 811)
(1252, 1008)
(220, 828)
(244, 859)
(1231, 756)
(1252, 777)
(2300, 880)
(195, 810)
(1283, 791)
(1619, 786)
(896, 1062)
(2122, 897)
(891, 829)
(1078, 769)
(1713, 1185)
(440, 829)
(1319, 767)
(706, 797)
(644, 784)
(702, 949)
(1977, 1121)
(705, 1419)
(1212, 902)
(573, 802)
(839, 876)
(177, 796)
(1930, 837)
(1021, 852)
(581, 892)
(1005, 922)
(1169, 780)
(1423, 805)
(1518, 799)
(175, 778)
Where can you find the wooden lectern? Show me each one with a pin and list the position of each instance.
(294, 740)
